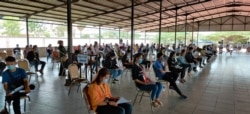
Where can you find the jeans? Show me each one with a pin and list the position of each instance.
(124, 108)
(115, 73)
(155, 88)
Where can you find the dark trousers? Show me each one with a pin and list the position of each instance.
(62, 66)
(171, 78)
(185, 66)
(124, 108)
(177, 71)
(36, 63)
(16, 101)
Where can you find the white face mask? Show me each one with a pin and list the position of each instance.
(105, 80)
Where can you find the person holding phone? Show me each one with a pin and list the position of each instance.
(101, 99)
(143, 82)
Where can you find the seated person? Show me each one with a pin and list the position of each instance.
(33, 58)
(111, 64)
(145, 61)
(49, 50)
(183, 63)
(13, 78)
(55, 55)
(168, 76)
(101, 99)
(173, 66)
(74, 59)
(143, 82)
(126, 60)
(190, 58)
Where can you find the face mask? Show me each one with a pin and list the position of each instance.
(105, 80)
(11, 67)
(140, 61)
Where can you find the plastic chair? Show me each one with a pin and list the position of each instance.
(24, 98)
(86, 98)
(75, 77)
(142, 93)
(24, 64)
(3, 55)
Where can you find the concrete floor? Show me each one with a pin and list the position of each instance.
(221, 87)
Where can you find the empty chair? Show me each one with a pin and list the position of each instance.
(75, 77)
(24, 64)
(3, 55)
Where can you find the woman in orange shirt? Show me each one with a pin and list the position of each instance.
(101, 99)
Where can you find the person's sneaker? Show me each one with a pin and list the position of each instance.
(115, 80)
(155, 104)
(183, 97)
(41, 72)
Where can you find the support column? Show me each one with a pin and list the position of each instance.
(119, 33)
(100, 35)
(27, 30)
(160, 22)
(175, 27)
(69, 27)
(198, 33)
(185, 42)
(192, 32)
(69, 24)
(132, 27)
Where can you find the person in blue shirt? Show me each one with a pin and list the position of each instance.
(13, 78)
(168, 76)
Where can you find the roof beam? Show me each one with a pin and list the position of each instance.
(179, 15)
(115, 10)
(167, 9)
(53, 7)
(167, 24)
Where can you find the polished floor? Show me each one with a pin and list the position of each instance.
(221, 87)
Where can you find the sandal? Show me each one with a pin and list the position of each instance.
(159, 102)
(155, 104)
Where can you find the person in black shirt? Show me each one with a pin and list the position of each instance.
(126, 59)
(111, 64)
(33, 58)
(173, 66)
(143, 82)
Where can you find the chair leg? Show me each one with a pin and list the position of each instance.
(152, 110)
(141, 97)
(70, 88)
(24, 104)
(135, 98)
(78, 87)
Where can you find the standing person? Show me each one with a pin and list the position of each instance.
(13, 78)
(168, 76)
(34, 59)
(101, 99)
(62, 53)
(17, 50)
(143, 82)
(49, 50)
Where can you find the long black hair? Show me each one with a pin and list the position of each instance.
(101, 73)
(171, 54)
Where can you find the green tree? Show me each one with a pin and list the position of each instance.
(60, 30)
(37, 28)
(11, 28)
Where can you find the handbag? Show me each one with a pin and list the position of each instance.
(4, 110)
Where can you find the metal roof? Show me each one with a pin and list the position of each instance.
(117, 13)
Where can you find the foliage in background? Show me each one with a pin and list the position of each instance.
(60, 30)
(37, 28)
(11, 28)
